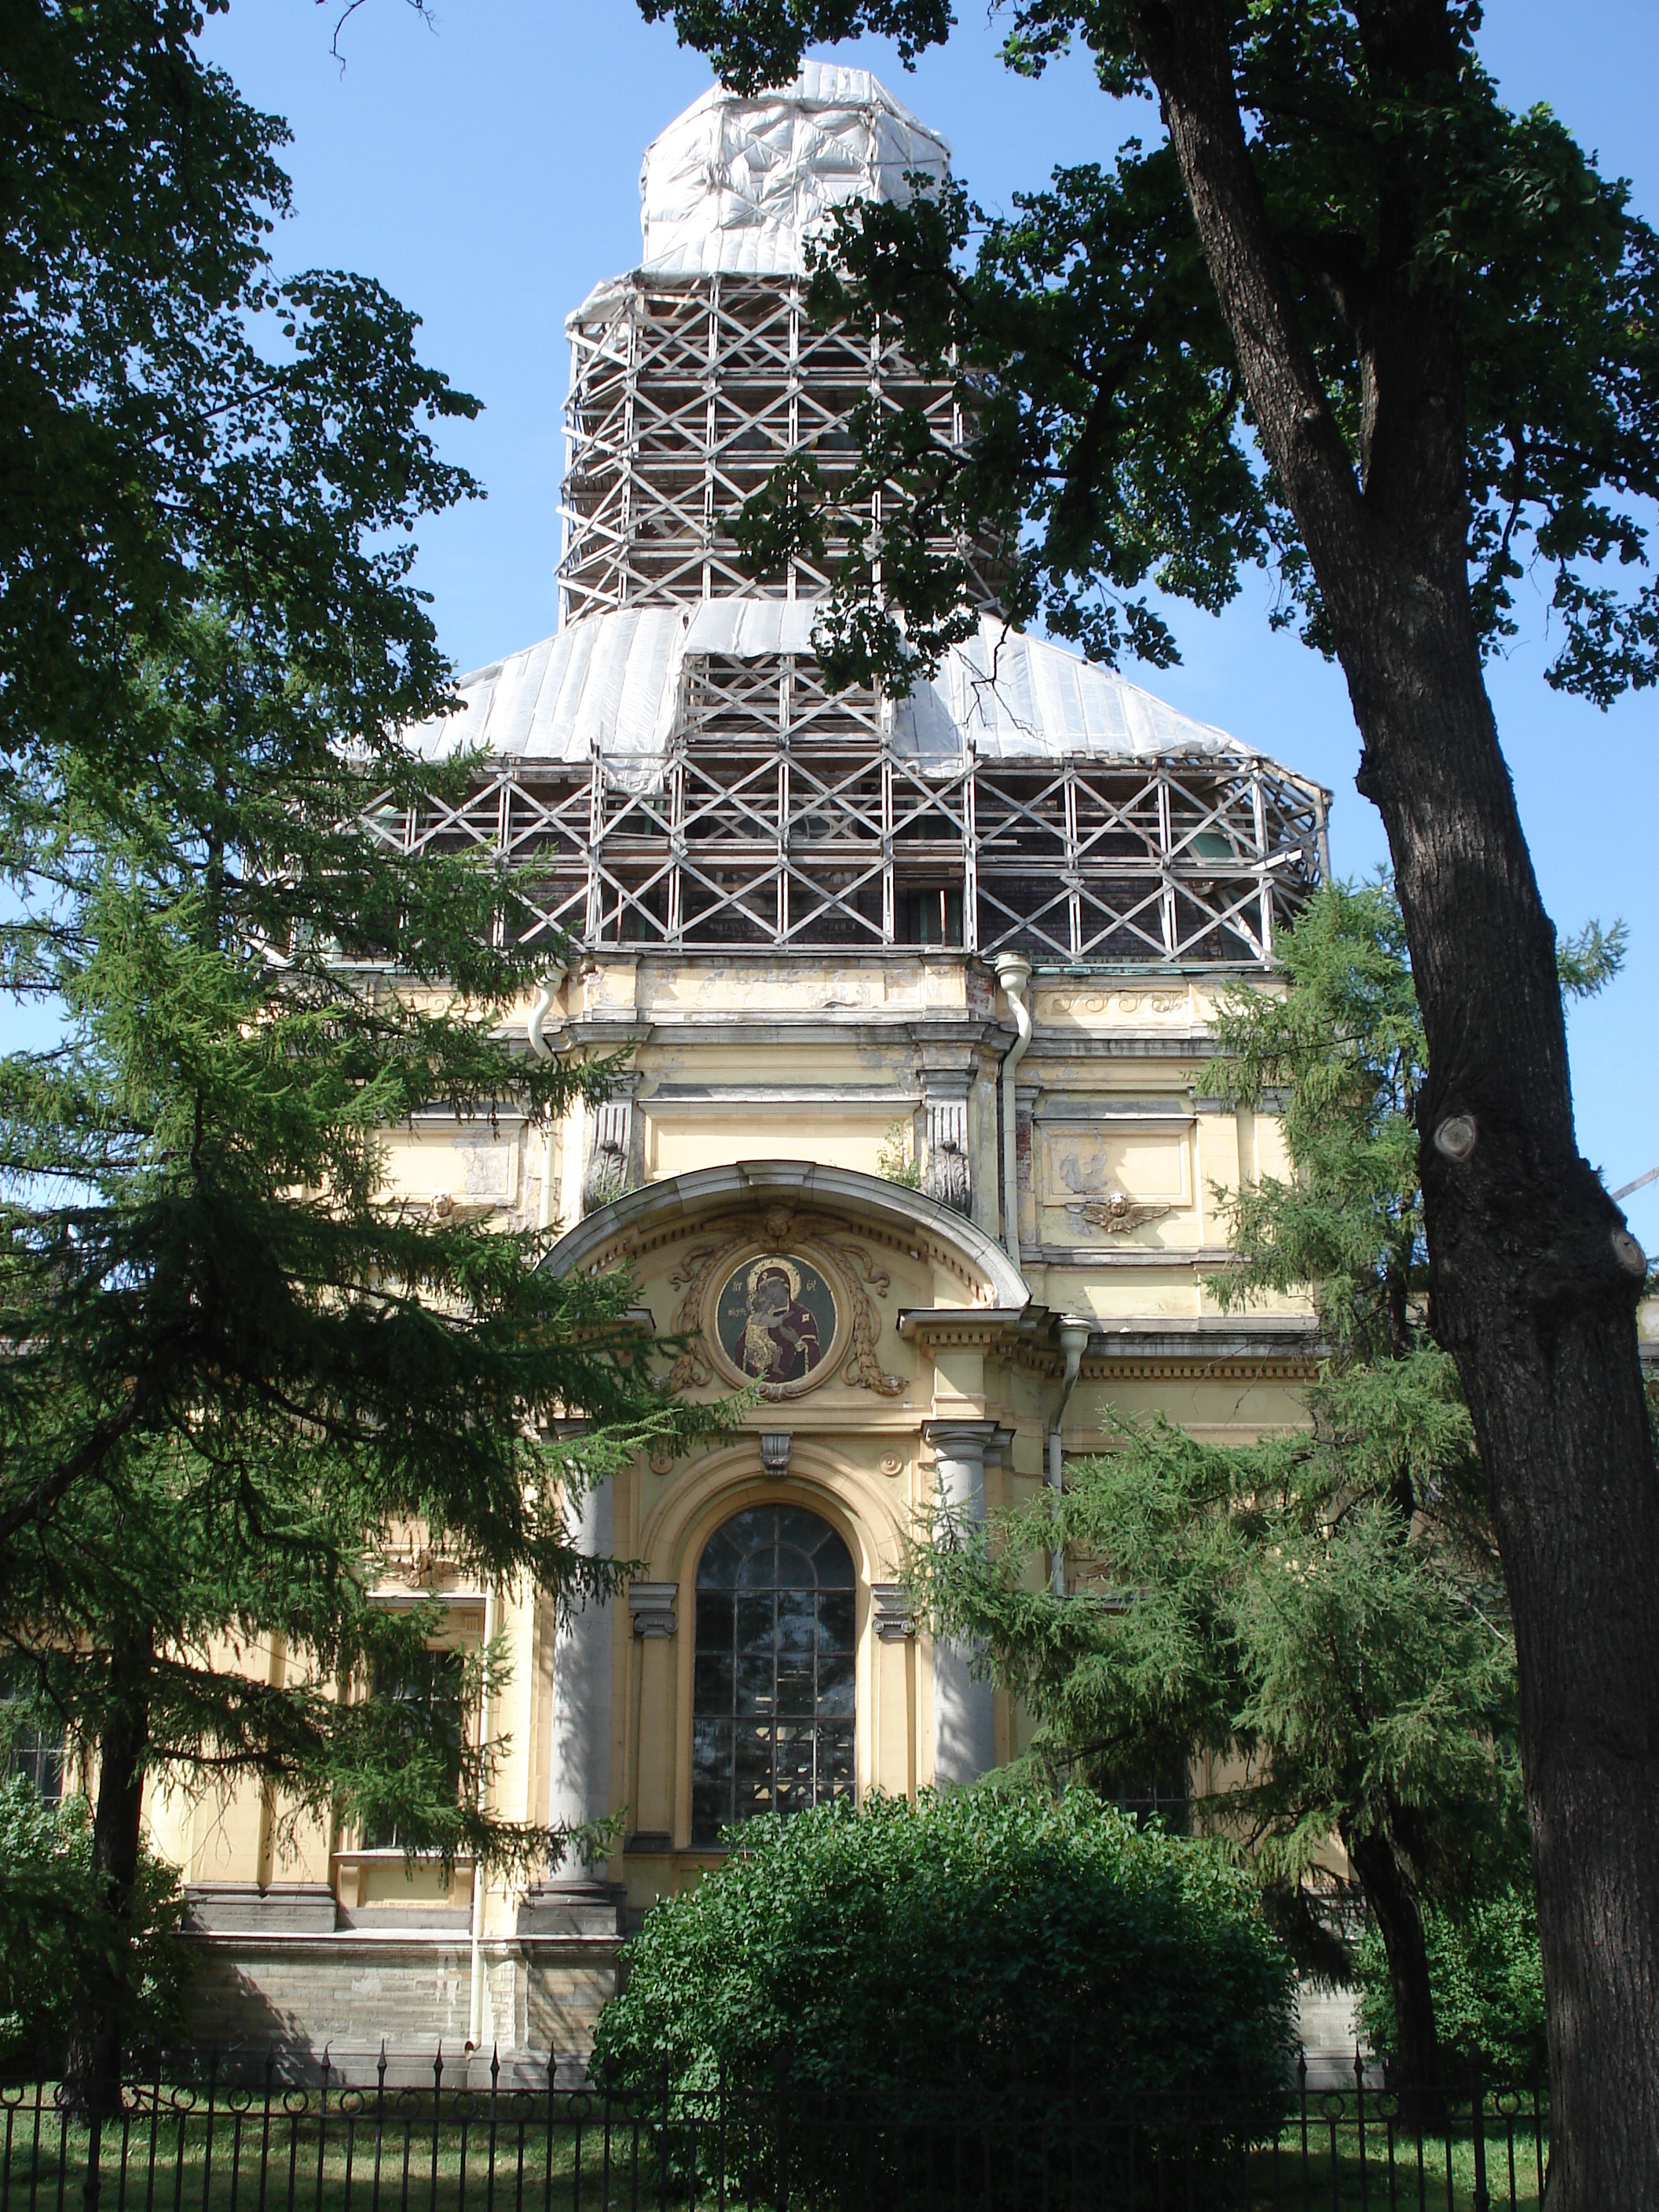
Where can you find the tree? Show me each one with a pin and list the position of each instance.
(1352, 318)
(236, 1369)
(169, 408)
(1322, 1614)
(55, 1930)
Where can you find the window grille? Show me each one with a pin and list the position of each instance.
(772, 1703)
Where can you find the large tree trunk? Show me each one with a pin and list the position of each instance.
(1535, 1281)
(1414, 2070)
(93, 2071)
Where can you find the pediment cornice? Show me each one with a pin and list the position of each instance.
(776, 1196)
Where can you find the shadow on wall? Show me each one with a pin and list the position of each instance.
(278, 1980)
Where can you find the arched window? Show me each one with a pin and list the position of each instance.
(772, 1701)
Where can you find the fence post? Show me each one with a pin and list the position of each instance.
(1359, 2112)
(1477, 2130)
(780, 2086)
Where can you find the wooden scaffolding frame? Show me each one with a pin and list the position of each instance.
(783, 817)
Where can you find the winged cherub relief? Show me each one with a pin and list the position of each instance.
(1114, 1211)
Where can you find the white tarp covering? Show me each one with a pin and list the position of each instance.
(610, 686)
(737, 183)
(1012, 696)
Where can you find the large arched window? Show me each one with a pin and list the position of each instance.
(772, 1701)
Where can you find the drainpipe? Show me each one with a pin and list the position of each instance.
(1073, 1343)
(475, 2009)
(1013, 973)
(543, 1050)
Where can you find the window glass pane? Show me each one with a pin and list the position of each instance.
(714, 1622)
(835, 1748)
(835, 1685)
(754, 1688)
(791, 1683)
(712, 1691)
(836, 1622)
(804, 1531)
(796, 1621)
(795, 1689)
(756, 1623)
(753, 1767)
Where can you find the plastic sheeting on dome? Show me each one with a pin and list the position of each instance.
(737, 184)
(608, 688)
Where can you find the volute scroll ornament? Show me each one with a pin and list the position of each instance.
(945, 1176)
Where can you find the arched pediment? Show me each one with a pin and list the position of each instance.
(782, 1196)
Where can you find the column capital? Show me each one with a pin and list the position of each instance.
(654, 1607)
(962, 1440)
(893, 1615)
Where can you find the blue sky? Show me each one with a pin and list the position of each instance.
(485, 168)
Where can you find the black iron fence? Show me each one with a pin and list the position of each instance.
(211, 2138)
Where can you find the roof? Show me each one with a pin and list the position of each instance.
(737, 183)
(609, 686)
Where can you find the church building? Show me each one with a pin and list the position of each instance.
(914, 995)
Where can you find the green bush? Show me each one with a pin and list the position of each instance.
(1487, 1979)
(972, 1938)
(53, 1926)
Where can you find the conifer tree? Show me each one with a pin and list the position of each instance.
(1326, 306)
(235, 1369)
(1322, 1614)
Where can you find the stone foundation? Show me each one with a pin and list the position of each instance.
(281, 1972)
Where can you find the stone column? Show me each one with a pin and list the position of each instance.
(579, 1764)
(964, 1739)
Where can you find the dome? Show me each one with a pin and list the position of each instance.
(739, 182)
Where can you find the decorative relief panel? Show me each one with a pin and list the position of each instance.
(780, 1305)
(1107, 1182)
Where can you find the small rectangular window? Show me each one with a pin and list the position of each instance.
(934, 915)
(431, 1690)
(1162, 1793)
(31, 1749)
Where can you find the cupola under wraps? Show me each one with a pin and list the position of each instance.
(914, 995)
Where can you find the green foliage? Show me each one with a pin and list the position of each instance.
(1274, 1606)
(894, 1160)
(1114, 444)
(970, 1938)
(1341, 1051)
(174, 415)
(239, 1371)
(1324, 1608)
(55, 1930)
(1487, 1974)
(1322, 1614)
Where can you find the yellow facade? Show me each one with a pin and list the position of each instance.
(745, 1137)
(913, 995)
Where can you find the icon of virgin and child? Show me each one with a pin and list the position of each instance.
(776, 1319)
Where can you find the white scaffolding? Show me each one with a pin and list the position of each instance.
(671, 772)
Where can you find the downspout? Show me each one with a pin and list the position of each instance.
(475, 2009)
(543, 1050)
(1013, 973)
(1073, 1343)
